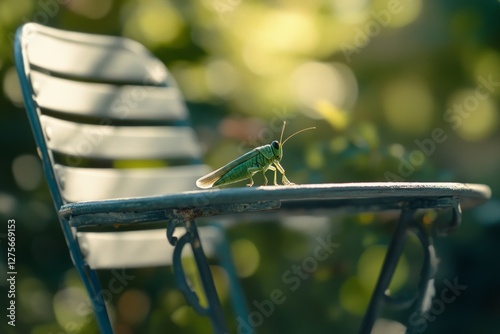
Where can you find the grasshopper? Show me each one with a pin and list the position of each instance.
(260, 159)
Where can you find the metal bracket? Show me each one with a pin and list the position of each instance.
(177, 217)
(214, 308)
(172, 224)
(456, 218)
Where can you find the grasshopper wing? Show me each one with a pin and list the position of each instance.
(208, 180)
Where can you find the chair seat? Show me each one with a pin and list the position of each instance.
(211, 202)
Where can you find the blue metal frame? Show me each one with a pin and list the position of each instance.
(392, 257)
(395, 250)
(214, 310)
(236, 291)
(87, 275)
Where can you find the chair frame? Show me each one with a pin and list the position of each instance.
(87, 274)
(182, 209)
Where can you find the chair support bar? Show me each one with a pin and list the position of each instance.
(394, 252)
(214, 308)
(426, 290)
(89, 279)
(420, 302)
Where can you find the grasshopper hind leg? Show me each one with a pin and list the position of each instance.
(251, 171)
(251, 182)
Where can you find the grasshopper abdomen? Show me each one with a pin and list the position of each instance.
(243, 171)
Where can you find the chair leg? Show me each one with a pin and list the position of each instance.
(425, 287)
(236, 291)
(94, 290)
(392, 257)
(89, 279)
(214, 309)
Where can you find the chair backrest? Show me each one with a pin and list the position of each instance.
(100, 106)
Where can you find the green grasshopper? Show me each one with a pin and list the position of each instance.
(245, 167)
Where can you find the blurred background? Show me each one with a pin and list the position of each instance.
(399, 90)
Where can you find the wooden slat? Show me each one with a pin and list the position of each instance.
(91, 57)
(108, 101)
(84, 184)
(138, 248)
(119, 142)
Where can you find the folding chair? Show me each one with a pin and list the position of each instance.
(83, 93)
(98, 102)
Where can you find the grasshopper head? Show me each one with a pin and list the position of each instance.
(277, 151)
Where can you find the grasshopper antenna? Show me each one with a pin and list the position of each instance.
(282, 131)
(296, 133)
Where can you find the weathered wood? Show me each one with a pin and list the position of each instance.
(181, 213)
(356, 193)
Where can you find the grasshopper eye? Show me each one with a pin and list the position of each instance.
(275, 145)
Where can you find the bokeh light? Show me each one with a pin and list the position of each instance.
(7, 204)
(37, 300)
(11, 87)
(153, 23)
(92, 9)
(386, 326)
(246, 257)
(27, 171)
(67, 305)
(273, 34)
(408, 105)
(351, 11)
(133, 306)
(476, 118)
(314, 158)
(354, 296)
(315, 82)
(222, 78)
(12, 10)
(192, 78)
(487, 67)
(401, 13)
